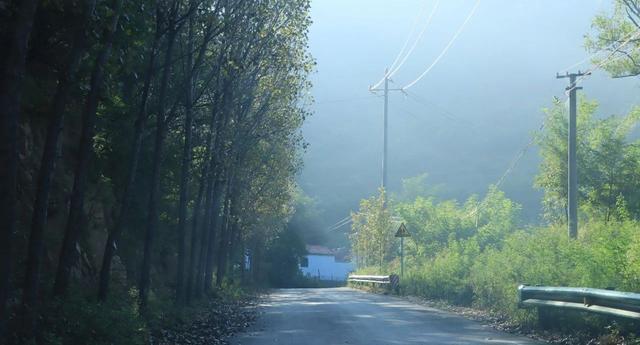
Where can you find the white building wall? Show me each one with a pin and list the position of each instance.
(326, 268)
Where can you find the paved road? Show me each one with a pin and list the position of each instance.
(347, 316)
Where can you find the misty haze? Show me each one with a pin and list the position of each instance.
(319, 172)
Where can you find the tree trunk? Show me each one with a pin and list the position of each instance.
(45, 173)
(205, 234)
(194, 280)
(139, 127)
(13, 67)
(214, 229)
(193, 254)
(184, 173)
(152, 216)
(68, 253)
(223, 248)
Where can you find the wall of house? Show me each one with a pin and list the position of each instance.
(326, 268)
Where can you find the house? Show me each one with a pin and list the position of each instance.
(326, 264)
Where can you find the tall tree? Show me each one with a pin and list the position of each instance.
(13, 68)
(68, 253)
(66, 80)
(134, 157)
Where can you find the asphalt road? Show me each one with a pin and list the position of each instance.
(347, 316)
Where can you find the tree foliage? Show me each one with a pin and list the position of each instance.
(616, 35)
(158, 145)
(372, 232)
(608, 171)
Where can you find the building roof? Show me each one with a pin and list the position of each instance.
(319, 250)
(342, 255)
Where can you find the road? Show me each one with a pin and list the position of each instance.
(347, 316)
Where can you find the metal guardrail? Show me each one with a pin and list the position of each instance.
(393, 280)
(608, 302)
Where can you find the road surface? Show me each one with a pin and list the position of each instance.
(347, 316)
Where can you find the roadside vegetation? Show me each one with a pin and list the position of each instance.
(476, 252)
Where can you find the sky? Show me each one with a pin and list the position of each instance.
(467, 119)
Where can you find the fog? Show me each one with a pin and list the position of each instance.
(466, 120)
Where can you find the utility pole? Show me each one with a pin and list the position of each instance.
(402, 256)
(572, 173)
(386, 123)
(385, 149)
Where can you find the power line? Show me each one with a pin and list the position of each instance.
(344, 100)
(415, 43)
(592, 56)
(442, 111)
(602, 63)
(524, 150)
(393, 68)
(340, 223)
(414, 25)
(446, 48)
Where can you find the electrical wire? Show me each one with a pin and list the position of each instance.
(340, 223)
(443, 111)
(393, 68)
(603, 62)
(414, 25)
(446, 48)
(344, 100)
(415, 43)
(524, 150)
(592, 56)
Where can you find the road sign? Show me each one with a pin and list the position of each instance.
(402, 231)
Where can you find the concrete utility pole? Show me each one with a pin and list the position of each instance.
(386, 123)
(385, 149)
(572, 185)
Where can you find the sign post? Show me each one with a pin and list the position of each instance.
(402, 233)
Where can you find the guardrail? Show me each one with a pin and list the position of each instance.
(607, 302)
(392, 280)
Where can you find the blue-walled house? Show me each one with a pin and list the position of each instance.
(326, 264)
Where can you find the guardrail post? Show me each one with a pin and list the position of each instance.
(545, 318)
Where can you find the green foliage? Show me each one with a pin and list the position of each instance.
(474, 254)
(608, 164)
(448, 237)
(372, 232)
(612, 31)
(603, 257)
(233, 77)
(417, 186)
(80, 319)
(283, 259)
(446, 275)
(306, 219)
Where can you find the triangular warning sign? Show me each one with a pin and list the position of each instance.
(402, 231)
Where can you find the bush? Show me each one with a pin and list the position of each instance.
(445, 276)
(604, 256)
(81, 319)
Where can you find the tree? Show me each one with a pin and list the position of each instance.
(66, 81)
(372, 232)
(172, 129)
(607, 164)
(616, 34)
(12, 67)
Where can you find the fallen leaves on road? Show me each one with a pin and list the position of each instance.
(212, 325)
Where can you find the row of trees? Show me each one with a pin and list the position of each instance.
(160, 134)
